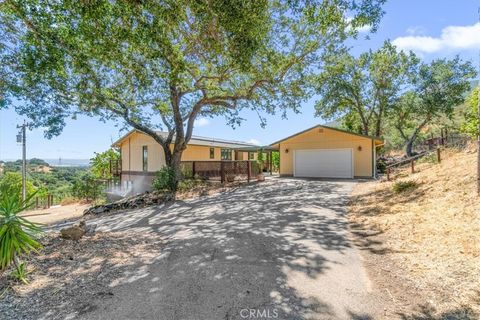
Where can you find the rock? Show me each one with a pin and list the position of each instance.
(138, 201)
(74, 232)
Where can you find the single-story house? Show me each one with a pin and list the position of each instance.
(326, 152)
(141, 156)
(317, 152)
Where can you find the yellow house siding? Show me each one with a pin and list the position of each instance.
(132, 153)
(323, 138)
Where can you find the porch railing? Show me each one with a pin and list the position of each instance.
(225, 171)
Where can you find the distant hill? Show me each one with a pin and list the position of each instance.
(68, 162)
(35, 162)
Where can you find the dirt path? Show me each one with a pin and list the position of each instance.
(56, 214)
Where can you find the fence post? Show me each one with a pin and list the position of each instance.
(249, 170)
(439, 158)
(413, 166)
(222, 171)
(388, 174)
(36, 202)
(193, 169)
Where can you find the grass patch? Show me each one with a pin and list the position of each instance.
(402, 186)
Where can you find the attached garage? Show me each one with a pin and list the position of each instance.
(325, 152)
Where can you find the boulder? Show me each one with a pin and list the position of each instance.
(75, 232)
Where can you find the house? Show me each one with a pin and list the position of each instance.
(141, 156)
(327, 152)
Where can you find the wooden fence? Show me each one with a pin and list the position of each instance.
(43, 202)
(225, 171)
(411, 162)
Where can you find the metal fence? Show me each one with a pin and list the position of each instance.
(225, 171)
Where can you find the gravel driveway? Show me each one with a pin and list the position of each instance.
(276, 250)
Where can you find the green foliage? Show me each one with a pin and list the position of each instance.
(20, 273)
(186, 185)
(276, 160)
(11, 185)
(17, 234)
(100, 164)
(165, 180)
(402, 186)
(169, 61)
(470, 124)
(436, 88)
(361, 89)
(87, 187)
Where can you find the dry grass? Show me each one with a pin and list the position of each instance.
(431, 232)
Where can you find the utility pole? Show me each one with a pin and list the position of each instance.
(23, 139)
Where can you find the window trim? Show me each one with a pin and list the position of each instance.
(144, 158)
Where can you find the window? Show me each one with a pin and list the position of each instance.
(212, 153)
(226, 154)
(145, 158)
(251, 156)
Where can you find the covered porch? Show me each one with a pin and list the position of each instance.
(266, 164)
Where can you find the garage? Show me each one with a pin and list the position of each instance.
(323, 163)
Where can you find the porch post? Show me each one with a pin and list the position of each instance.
(271, 163)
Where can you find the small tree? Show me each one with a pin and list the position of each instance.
(436, 88)
(100, 163)
(470, 124)
(11, 185)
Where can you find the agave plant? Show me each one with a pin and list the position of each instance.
(17, 234)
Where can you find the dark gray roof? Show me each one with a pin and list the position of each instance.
(201, 141)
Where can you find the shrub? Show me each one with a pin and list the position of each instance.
(20, 273)
(190, 184)
(402, 186)
(87, 188)
(165, 180)
(16, 233)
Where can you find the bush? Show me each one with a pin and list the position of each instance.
(190, 184)
(165, 180)
(16, 233)
(402, 186)
(87, 188)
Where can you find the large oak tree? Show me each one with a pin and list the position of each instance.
(359, 90)
(161, 64)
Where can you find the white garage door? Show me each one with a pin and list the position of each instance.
(323, 163)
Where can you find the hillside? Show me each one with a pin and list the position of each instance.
(424, 242)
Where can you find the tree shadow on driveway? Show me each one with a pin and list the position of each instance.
(278, 249)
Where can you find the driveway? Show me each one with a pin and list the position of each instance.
(275, 250)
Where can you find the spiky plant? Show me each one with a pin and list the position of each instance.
(17, 234)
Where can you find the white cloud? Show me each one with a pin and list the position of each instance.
(202, 122)
(452, 37)
(254, 141)
(416, 30)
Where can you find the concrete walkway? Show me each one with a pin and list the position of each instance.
(275, 250)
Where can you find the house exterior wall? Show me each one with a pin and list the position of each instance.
(324, 138)
(132, 159)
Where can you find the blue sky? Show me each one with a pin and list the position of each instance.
(432, 28)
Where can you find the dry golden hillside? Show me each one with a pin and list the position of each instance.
(428, 234)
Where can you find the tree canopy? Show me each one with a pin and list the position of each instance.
(161, 64)
(361, 89)
(436, 88)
